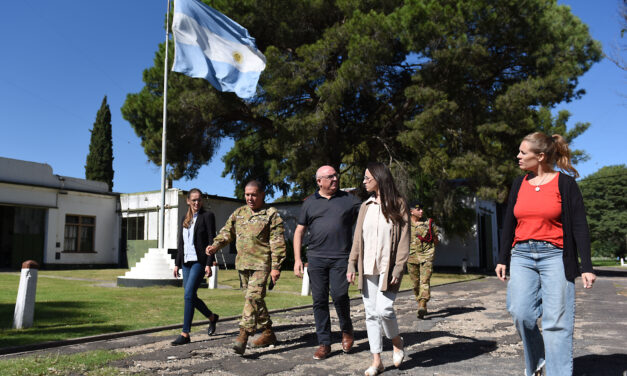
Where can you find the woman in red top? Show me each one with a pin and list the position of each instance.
(544, 233)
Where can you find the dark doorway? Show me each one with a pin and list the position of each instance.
(22, 235)
(484, 233)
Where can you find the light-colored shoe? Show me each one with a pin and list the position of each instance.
(398, 356)
(374, 371)
(538, 371)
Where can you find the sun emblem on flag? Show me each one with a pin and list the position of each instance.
(237, 57)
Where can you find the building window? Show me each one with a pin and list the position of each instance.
(133, 228)
(79, 233)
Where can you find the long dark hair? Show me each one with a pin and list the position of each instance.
(392, 202)
(190, 214)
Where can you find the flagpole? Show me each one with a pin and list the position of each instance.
(164, 134)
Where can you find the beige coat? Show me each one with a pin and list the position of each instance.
(399, 250)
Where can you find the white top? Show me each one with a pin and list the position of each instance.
(188, 241)
(377, 237)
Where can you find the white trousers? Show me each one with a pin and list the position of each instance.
(379, 307)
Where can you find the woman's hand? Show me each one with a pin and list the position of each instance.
(588, 279)
(500, 272)
(350, 277)
(176, 271)
(394, 281)
(208, 272)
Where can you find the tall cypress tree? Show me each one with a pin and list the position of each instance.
(100, 158)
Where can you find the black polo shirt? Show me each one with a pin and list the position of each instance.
(329, 224)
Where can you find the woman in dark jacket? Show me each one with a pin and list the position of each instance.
(196, 233)
(544, 232)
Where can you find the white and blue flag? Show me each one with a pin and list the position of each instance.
(210, 45)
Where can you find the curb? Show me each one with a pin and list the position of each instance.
(107, 336)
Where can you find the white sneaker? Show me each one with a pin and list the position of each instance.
(538, 371)
(398, 356)
(374, 371)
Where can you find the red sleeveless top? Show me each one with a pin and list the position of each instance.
(539, 213)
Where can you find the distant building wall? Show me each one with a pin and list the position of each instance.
(30, 193)
(146, 204)
(479, 248)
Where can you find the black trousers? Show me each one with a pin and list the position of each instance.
(329, 274)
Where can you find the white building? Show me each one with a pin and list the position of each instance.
(477, 250)
(140, 220)
(55, 220)
(62, 221)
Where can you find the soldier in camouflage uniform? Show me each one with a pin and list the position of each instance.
(258, 234)
(424, 237)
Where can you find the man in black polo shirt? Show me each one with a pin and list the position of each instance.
(329, 214)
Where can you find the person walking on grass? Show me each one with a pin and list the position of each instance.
(258, 234)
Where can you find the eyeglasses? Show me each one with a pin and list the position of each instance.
(196, 200)
(367, 179)
(330, 177)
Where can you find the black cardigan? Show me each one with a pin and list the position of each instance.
(574, 226)
(204, 232)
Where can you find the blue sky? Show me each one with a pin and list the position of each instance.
(61, 57)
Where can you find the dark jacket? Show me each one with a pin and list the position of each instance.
(204, 232)
(574, 226)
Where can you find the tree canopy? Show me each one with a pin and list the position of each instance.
(99, 164)
(440, 90)
(605, 197)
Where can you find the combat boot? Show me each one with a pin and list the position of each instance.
(422, 309)
(240, 342)
(266, 338)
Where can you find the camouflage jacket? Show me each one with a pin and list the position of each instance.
(258, 238)
(419, 251)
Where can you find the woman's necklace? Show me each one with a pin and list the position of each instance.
(543, 179)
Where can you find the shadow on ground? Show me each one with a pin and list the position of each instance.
(464, 348)
(610, 272)
(601, 365)
(49, 327)
(452, 311)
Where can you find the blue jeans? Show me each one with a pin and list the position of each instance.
(539, 288)
(325, 273)
(193, 273)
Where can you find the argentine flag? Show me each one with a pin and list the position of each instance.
(210, 45)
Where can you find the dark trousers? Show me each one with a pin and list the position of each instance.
(329, 274)
(193, 274)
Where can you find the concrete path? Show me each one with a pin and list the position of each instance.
(467, 332)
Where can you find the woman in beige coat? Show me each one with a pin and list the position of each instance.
(379, 253)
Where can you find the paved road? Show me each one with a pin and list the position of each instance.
(468, 332)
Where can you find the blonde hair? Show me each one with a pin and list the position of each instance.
(555, 149)
(190, 214)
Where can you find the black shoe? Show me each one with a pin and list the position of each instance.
(181, 340)
(212, 325)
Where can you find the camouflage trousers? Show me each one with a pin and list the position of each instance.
(420, 275)
(255, 314)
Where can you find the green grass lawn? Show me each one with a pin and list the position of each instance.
(605, 262)
(89, 304)
(90, 363)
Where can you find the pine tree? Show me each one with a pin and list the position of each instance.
(100, 158)
(441, 90)
(605, 196)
